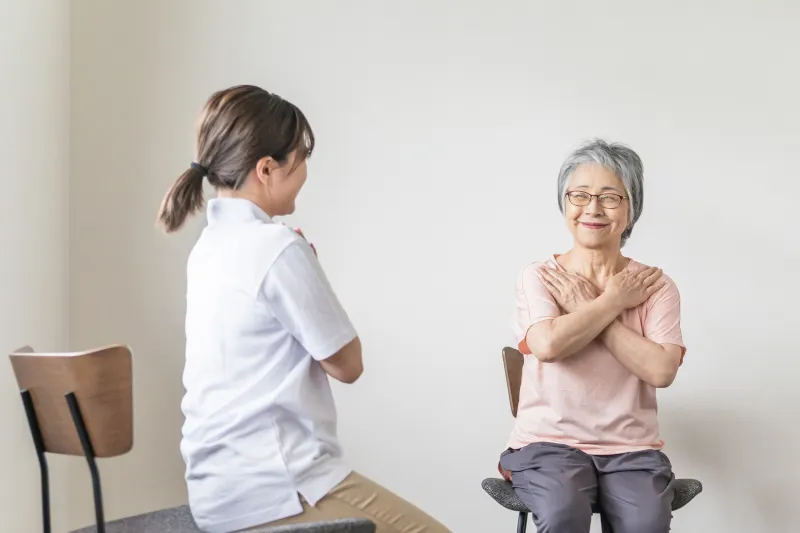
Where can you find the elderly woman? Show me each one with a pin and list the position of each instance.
(600, 333)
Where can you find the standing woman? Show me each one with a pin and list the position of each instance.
(264, 331)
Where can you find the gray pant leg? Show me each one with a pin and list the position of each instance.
(636, 491)
(557, 483)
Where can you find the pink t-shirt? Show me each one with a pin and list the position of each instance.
(589, 400)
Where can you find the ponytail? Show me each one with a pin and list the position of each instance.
(238, 126)
(184, 198)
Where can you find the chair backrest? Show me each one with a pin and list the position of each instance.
(513, 361)
(102, 383)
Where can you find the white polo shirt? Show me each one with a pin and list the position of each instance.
(260, 422)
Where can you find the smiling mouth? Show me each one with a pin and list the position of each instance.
(590, 225)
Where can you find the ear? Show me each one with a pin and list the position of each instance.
(265, 168)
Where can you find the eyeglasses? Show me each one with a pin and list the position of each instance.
(607, 200)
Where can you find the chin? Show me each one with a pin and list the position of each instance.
(597, 244)
(287, 210)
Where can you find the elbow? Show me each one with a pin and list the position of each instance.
(663, 379)
(353, 375)
(546, 352)
(345, 365)
(544, 357)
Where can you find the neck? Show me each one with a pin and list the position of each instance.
(597, 265)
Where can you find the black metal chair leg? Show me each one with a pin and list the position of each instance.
(38, 442)
(88, 451)
(522, 522)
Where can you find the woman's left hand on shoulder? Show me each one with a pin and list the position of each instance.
(300, 232)
(570, 290)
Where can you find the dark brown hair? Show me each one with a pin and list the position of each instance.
(238, 126)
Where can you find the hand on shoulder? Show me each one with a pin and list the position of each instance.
(570, 290)
(299, 232)
(631, 288)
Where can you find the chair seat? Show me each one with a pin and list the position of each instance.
(503, 493)
(179, 520)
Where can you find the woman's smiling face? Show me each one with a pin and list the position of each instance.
(596, 207)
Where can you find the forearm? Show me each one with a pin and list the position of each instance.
(647, 360)
(568, 334)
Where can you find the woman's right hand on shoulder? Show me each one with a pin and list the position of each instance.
(630, 289)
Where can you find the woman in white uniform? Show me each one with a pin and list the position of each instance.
(264, 332)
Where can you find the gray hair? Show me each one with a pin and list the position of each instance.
(619, 159)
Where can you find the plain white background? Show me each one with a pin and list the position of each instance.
(441, 127)
(34, 169)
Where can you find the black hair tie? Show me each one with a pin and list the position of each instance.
(201, 168)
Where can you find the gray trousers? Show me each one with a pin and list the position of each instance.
(561, 486)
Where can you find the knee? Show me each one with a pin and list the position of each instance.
(654, 516)
(561, 515)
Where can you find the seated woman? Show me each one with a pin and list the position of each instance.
(601, 333)
(264, 331)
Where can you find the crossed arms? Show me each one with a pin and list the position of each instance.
(582, 315)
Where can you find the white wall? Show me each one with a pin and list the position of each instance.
(34, 156)
(441, 127)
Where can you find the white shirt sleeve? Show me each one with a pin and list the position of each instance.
(298, 293)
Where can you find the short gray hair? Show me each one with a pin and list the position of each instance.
(619, 159)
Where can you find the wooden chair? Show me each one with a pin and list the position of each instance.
(82, 404)
(503, 493)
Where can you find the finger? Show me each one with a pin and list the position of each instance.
(552, 288)
(647, 272)
(652, 289)
(652, 278)
(574, 280)
(561, 276)
(565, 277)
(545, 279)
(579, 279)
(550, 275)
(582, 281)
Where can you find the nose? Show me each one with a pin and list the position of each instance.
(593, 207)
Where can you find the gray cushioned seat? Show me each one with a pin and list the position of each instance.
(179, 520)
(503, 493)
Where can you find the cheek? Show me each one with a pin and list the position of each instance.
(572, 212)
(298, 183)
(619, 216)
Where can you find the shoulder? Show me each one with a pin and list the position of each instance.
(268, 241)
(529, 273)
(272, 234)
(263, 245)
(533, 267)
(667, 292)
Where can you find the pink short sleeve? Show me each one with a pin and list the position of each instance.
(662, 322)
(534, 304)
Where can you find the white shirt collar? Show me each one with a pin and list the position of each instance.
(234, 209)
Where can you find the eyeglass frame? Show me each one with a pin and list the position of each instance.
(569, 198)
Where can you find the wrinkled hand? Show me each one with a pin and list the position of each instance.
(570, 290)
(300, 232)
(630, 289)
